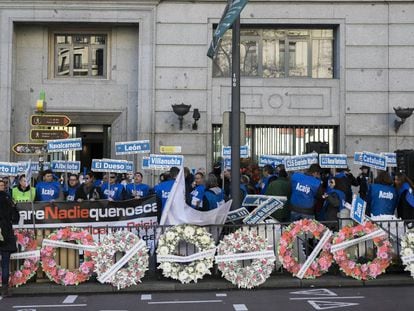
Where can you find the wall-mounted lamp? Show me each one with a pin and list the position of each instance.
(181, 110)
(403, 114)
(196, 117)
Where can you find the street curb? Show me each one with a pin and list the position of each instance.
(152, 284)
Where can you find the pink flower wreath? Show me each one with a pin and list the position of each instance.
(25, 238)
(320, 265)
(371, 269)
(61, 275)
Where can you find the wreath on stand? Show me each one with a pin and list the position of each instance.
(242, 245)
(28, 244)
(315, 267)
(136, 258)
(360, 233)
(61, 275)
(188, 268)
(407, 252)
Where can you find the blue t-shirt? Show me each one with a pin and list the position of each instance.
(116, 191)
(381, 199)
(304, 190)
(141, 190)
(47, 191)
(197, 196)
(162, 191)
(70, 193)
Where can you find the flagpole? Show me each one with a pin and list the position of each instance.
(235, 115)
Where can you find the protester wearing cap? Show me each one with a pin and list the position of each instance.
(48, 189)
(305, 190)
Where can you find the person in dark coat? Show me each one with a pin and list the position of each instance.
(8, 216)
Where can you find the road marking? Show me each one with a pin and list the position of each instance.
(240, 308)
(146, 297)
(70, 299)
(184, 301)
(51, 306)
(324, 305)
(307, 298)
(317, 292)
(221, 295)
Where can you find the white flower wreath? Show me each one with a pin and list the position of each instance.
(407, 251)
(242, 245)
(136, 256)
(188, 268)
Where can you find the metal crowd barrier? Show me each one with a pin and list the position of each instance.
(69, 258)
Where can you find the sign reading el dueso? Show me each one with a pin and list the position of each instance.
(66, 166)
(333, 161)
(110, 165)
(161, 161)
(131, 147)
(300, 162)
(61, 145)
(230, 14)
(273, 160)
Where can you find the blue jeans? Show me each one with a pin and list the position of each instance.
(5, 264)
(297, 216)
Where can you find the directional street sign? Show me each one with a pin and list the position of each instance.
(130, 147)
(60, 145)
(29, 148)
(109, 165)
(66, 166)
(40, 134)
(49, 120)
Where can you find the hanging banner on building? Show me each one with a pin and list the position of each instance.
(333, 160)
(301, 162)
(273, 160)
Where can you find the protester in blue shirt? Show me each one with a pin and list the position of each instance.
(305, 189)
(382, 196)
(116, 190)
(48, 189)
(162, 190)
(268, 177)
(213, 195)
(137, 189)
(335, 200)
(198, 191)
(405, 188)
(73, 185)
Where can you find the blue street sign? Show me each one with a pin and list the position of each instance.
(244, 151)
(254, 199)
(227, 163)
(333, 161)
(263, 211)
(358, 209)
(273, 160)
(358, 158)
(66, 166)
(165, 161)
(60, 145)
(35, 167)
(145, 163)
(9, 169)
(131, 147)
(237, 214)
(391, 158)
(374, 160)
(109, 165)
(301, 162)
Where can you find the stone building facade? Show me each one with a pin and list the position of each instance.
(142, 56)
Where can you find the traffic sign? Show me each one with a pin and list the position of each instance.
(48, 134)
(49, 120)
(130, 147)
(59, 145)
(29, 148)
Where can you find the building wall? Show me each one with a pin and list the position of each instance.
(158, 58)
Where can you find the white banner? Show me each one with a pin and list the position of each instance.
(25, 255)
(244, 256)
(349, 243)
(54, 243)
(325, 238)
(190, 258)
(119, 264)
(407, 259)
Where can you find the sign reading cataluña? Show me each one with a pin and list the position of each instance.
(131, 147)
(374, 160)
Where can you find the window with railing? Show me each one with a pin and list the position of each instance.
(279, 53)
(281, 139)
(80, 55)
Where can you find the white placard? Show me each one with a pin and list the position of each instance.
(245, 256)
(346, 244)
(54, 243)
(25, 255)
(190, 258)
(407, 259)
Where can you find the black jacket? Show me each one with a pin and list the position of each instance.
(8, 216)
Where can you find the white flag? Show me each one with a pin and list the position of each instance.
(28, 173)
(177, 212)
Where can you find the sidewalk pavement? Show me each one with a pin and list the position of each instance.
(152, 284)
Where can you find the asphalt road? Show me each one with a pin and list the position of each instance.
(342, 299)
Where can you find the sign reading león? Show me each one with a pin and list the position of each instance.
(29, 148)
(48, 134)
(49, 120)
